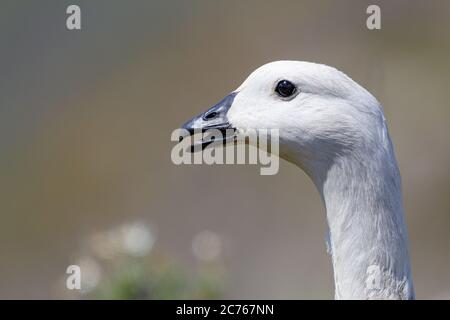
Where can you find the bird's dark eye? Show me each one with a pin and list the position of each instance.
(285, 88)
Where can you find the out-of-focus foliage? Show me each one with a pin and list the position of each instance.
(125, 263)
(154, 279)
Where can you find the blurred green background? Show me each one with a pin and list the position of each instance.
(86, 118)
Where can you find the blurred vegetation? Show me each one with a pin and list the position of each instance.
(124, 264)
(155, 278)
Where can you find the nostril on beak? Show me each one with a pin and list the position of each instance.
(210, 115)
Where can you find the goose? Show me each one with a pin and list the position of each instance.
(335, 131)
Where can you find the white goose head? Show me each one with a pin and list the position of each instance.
(320, 112)
(335, 131)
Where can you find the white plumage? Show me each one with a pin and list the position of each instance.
(335, 130)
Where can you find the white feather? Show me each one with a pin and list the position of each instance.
(336, 132)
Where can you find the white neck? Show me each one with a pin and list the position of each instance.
(368, 237)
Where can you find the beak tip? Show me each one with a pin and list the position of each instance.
(215, 117)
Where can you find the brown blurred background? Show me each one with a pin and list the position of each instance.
(86, 118)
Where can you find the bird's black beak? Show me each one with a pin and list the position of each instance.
(214, 118)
